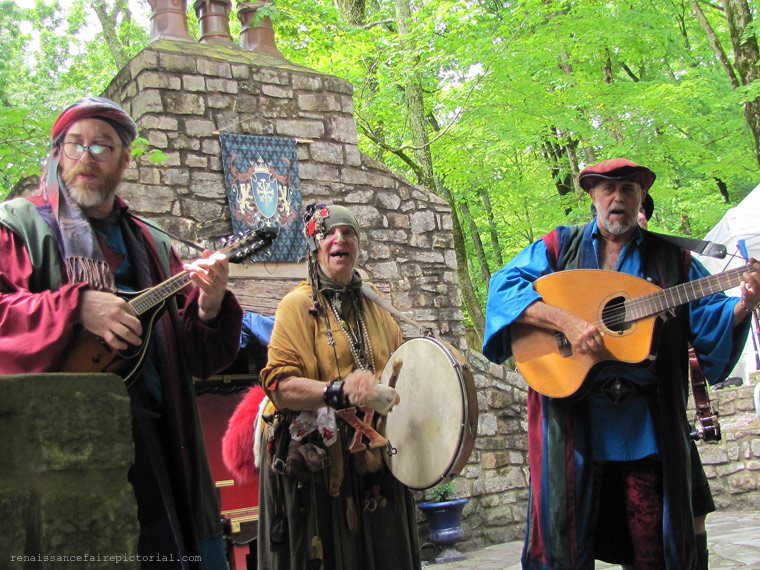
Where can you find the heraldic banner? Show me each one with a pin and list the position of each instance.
(261, 175)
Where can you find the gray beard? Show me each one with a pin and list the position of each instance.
(91, 199)
(617, 228)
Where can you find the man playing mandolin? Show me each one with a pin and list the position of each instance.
(66, 250)
(609, 457)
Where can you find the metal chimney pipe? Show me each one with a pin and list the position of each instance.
(168, 20)
(214, 21)
(258, 37)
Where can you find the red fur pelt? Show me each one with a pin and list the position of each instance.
(238, 441)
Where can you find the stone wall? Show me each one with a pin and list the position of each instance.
(64, 455)
(732, 465)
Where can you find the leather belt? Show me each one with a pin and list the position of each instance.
(618, 389)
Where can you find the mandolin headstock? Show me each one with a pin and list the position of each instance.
(240, 248)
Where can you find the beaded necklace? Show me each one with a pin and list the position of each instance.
(359, 343)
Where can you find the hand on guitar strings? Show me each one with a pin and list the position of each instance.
(110, 317)
(210, 273)
(750, 292)
(585, 337)
(362, 388)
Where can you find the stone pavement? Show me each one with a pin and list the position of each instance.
(733, 539)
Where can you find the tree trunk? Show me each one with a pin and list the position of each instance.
(421, 140)
(480, 254)
(108, 24)
(492, 229)
(746, 56)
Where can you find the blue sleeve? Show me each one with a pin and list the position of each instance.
(258, 327)
(510, 292)
(717, 343)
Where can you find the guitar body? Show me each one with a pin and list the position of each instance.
(90, 354)
(546, 360)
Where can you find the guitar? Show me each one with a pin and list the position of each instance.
(90, 353)
(624, 307)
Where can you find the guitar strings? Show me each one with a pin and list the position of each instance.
(646, 306)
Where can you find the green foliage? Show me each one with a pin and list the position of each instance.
(442, 492)
(141, 146)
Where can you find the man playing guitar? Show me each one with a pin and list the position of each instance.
(67, 250)
(610, 475)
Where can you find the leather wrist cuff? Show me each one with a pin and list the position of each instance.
(334, 395)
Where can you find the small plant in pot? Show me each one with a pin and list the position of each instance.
(444, 515)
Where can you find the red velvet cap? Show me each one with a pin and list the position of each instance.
(616, 169)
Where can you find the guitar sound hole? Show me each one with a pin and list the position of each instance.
(613, 315)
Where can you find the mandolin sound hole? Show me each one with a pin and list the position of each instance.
(613, 315)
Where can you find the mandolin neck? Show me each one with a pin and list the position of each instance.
(672, 297)
(159, 293)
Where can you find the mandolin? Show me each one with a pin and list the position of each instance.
(90, 353)
(625, 308)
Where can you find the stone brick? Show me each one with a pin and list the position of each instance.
(338, 85)
(146, 59)
(159, 122)
(195, 161)
(202, 211)
(150, 199)
(384, 271)
(181, 141)
(422, 221)
(157, 80)
(487, 425)
(199, 127)
(277, 91)
(211, 146)
(307, 82)
(331, 153)
(177, 63)
(208, 185)
(266, 75)
(299, 128)
(317, 171)
(323, 102)
(221, 85)
(148, 101)
(240, 72)
(194, 83)
(175, 177)
(363, 177)
(158, 139)
(214, 67)
(342, 129)
(217, 101)
(389, 200)
(185, 104)
(353, 156)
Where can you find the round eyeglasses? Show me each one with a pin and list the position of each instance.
(98, 152)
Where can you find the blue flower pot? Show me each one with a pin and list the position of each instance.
(445, 520)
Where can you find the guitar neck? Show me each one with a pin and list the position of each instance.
(672, 297)
(160, 292)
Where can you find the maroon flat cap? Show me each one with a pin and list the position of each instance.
(616, 169)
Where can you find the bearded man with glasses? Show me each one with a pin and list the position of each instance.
(66, 250)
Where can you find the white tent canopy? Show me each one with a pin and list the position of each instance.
(741, 223)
